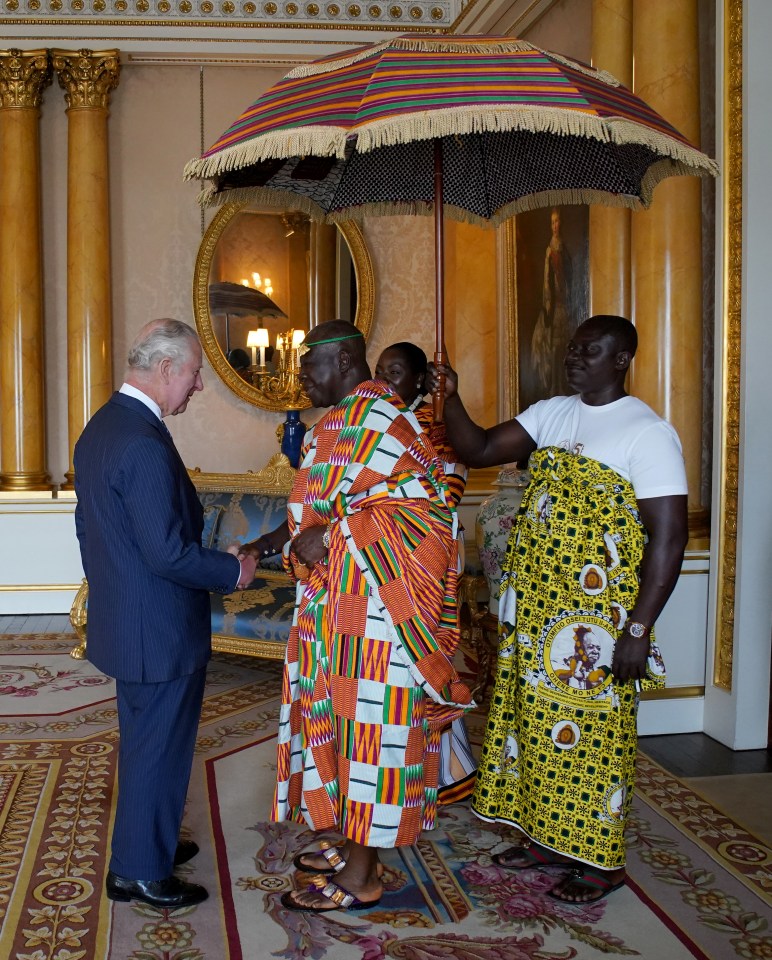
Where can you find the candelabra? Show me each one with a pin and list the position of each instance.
(282, 383)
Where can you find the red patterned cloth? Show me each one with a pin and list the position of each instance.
(455, 471)
(369, 679)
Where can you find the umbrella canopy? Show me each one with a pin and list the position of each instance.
(353, 135)
(242, 301)
(478, 127)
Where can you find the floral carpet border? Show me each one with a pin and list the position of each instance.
(745, 856)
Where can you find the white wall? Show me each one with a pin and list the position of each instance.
(740, 718)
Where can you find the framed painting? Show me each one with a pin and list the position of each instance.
(549, 294)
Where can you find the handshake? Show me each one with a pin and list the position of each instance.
(250, 554)
(248, 565)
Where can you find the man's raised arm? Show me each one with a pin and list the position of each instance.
(507, 442)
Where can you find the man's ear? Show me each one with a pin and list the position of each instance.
(344, 361)
(165, 367)
(624, 359)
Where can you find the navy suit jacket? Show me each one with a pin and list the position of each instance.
(139, 522)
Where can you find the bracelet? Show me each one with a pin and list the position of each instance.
(326, 538)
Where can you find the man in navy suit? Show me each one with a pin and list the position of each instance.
(139, 525)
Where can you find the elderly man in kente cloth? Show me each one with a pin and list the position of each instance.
(368, 679)
(593, 556)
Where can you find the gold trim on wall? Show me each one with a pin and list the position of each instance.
(730, 342)
(673, 693)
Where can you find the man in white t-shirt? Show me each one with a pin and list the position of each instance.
(596, 550)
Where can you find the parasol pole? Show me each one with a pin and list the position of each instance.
(438, 396)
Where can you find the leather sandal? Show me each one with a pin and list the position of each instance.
(532, 855)
(337, 897)
(330, 852)
(592, 880)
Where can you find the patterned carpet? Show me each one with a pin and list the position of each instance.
(699, 884)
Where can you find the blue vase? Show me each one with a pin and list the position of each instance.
(292, 437)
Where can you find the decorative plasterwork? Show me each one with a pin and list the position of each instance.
(351, 14)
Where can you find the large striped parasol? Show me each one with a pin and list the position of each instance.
(479, 128)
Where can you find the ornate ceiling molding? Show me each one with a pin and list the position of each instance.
(390, 15)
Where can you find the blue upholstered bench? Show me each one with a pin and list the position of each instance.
(238, 507)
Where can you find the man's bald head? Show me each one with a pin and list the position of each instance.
(332, 362)
(336, 335)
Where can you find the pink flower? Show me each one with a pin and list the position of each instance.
(524, 906)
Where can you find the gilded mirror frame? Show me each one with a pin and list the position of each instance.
(365, 284)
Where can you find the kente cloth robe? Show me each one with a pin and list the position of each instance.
(368, 679)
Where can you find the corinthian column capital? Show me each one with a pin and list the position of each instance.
(87, 76)
(24, 74)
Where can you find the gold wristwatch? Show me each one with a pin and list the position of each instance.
(637, 630)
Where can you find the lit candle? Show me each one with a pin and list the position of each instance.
(262, 342)
(253, 341)
(256, 280)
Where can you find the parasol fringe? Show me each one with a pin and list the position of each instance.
(282, 199)
(524, 204)
(315, 68)
(420, 44)
(268, 197)
(588, 71)
(450, 44)
(305, 141)
(535, 201)
(458, 121)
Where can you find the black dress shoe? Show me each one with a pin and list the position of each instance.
(186, 850)
(167, 894)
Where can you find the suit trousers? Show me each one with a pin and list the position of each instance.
(158, 723)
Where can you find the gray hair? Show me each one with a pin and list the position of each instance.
(160, 339)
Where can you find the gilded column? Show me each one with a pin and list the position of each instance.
(667, 267)
(87, 77)
(612, 50)
(23, 77)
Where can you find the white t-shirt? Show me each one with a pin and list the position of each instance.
(626, 435)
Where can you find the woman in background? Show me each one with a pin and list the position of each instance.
(403, 365)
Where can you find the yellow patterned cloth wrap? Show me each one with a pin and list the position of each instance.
(369, 679)
(558, 759)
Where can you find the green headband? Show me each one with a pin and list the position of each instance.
(348, 336)
(305, 347)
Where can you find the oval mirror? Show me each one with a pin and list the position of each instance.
(264, 276)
